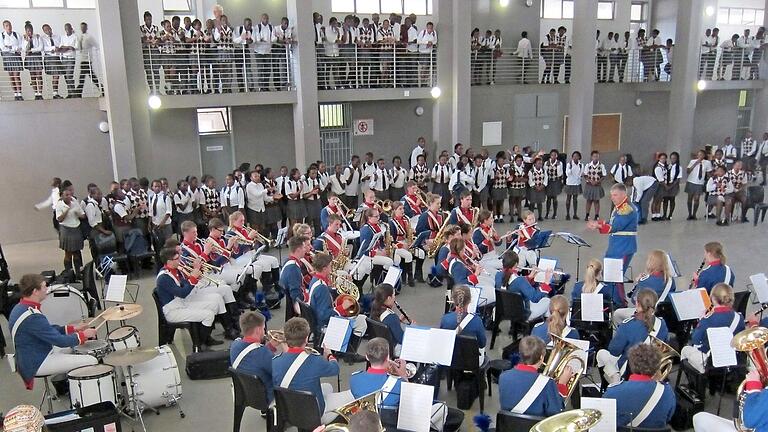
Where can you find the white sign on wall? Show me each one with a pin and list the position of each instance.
(491, 133)
(363, 127)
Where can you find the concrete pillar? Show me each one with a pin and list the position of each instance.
(306, 116)
(581, 92)
(682, 98)
(760, 112)
(115, 78)
(452, 110)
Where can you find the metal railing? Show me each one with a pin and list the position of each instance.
(545, 66)
(221, 68)
(38, 77)
(727, 64)
(351, 67)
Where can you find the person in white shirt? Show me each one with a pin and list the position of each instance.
(232, 197)
(385, 39)
(697, 170)
(762, 156)
(420, 149)
(757, 46)
(458, 150)
(184, 202)
(67, 44)
(459, 182)
(331, 38)
(485, 53)
(11, 53)
(243, 40)
(720, 189)
(399, 176)
(730, 152)
(351, 182)
(523, 57)
(671, 185)
(476, 44)
(729, 56)
(51, 200)
(479, 186)
(161, 213)
(709, 44)
(94, 213)
(644, 189)
(660, 174)
(294, 188)
(555, 175)
(68, 213)
(613, 46)
(441, 177)
(311, 189)
(748, 152)
(368, 167)
(621, 171)
(573, 173)
(265, 36)
(380, 181)
(256, 197)
(654, 57)
(602, 58)
(89, 60)
(411, 62)
(420, 173)
(285, 39)
(51, 58)
(223, 40)
(741, 54)
(366, 36)
(336, 181)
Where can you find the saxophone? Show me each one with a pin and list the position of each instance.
(387, 240)
(438, 240)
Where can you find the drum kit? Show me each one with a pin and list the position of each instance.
(132, 378)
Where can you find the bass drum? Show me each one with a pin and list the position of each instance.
(158, 382)
(63, 305)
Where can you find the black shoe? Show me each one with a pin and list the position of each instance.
(643, 221)
(202, 348)
(38, 97)
(690, 217)
(596, 217)
(586, 218)
(554, 217)
(725, 222)
(575, 217)
(18, 98)
(212, 342)
(567, 217)
(711, 215)
(744, 220)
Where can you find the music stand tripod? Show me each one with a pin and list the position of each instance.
(579, 242)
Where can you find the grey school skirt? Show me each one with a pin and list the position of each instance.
(498, 194)
(537, 197)
(695, 189)
(70, 239)
(296, 210)
(573, 189)
(554, 188)
(593, 193)
(672, 191)
(274, 215)
(517, 192)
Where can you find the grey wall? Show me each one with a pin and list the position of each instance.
(42, 140)
(264, 134)
(664, 17)
(511, 20)
(173, 150)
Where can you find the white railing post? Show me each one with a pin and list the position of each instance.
(394, 66)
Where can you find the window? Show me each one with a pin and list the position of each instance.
(405, 7)
(637, 12)
(563, 9)
(605, 10)
(81, 4)
(14, 4)
(177, 5)
(49, 4)
(740, 16)
(213, 121)
(333, 116)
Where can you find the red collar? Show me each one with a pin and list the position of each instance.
(375, 227)
(714, 263)
(295, 350)
(333, 208)
(322, 278)
(294, 257)
(657, 274)
(28, 302)
(192, 243)
(250, 340)
(467, 210)
(332, 234)
(173, 271)
(485, 227)
(373, 370)
(369, 205)
(721, 309)
(639, 377)
(526, 368)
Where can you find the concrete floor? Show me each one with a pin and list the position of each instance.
(208, 404)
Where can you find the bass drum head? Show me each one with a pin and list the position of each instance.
(63, 305)
(158, 381)
(124, 337)
(89, 385)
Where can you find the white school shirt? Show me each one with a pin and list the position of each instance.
(256, 196)
(398, 176)
(185, 200)
(621, 172)
(744, 41)
(11, 42)
(748, 148)
(92, 211)
(413, 37)
(415, 155)
(241, 33)
(50, 43)
(68, 41)
(712, 186)
(479, 177)
(35, 45)
(163, 207)
(763, 153)
(331, 38)
(368, 170)
(453, 161)
(292, 187)
(523, 48)
(533, 172)
(72, 220)
(353, 188)
(730, 153)
(381, 180)
(573, 173)
(337, 185)
(51, 201)
(460, 176)
(324, 178)
(424, 38)
(265, 36)
(660, 172)
(703, 169)
(232, 196)
(441, 173)
(283, 34)
(308, 184)
(641, 184)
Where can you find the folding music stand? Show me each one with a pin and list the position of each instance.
(280, 241)
(577, 241)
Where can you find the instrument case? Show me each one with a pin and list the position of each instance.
(208, 365)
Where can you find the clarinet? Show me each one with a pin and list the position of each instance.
(693, 280)
(402, 312)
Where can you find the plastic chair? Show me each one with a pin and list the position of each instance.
(511, 422)
(308, 314)
(297, 408)
(510, 306)
(166, 330)
(755, 200)
(379, 329)
(466, 358)
(249, 391)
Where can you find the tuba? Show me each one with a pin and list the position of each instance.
(562, 353)
(668, 355)
(751, 341)
(577, 420)
(369, 402)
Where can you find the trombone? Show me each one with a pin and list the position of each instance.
(279, 337)
(187, 272)
(262, 238)
(347, 212)
(205, 267)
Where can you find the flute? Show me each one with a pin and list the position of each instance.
(557, 272)
(402, 312)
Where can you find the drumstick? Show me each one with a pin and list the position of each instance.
(99, 326)
(98, 316)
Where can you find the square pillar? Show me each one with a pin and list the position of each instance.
(581, 93)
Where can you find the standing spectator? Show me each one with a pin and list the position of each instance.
(68, 213)
(223, 37)
(33, 59)
(67, 48)
(709, 45)
(331, 39)
(524, 56)
(757, 46)
(496, 55)
(486, 53)
(385, 38)
(548, 46)
(265, 37)
(366, 60)
(412, 53)
(697, 170)
(399, 176)
(669, 47)
(624, 47)
(741, 54)
(89, 50)
(728, 55)
(11, 53)
(282, 53)
(613, 46)
(602, 58)
(564, 43)
(748, 152)
(475, 45)
(654, 44)
(167, 45)
(427, 40)
(763, 157)
(52, 58)
(149, 33)
(243, 40)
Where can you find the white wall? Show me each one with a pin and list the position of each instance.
(727, 30)
(324, 7)
(56, 18)
(155, 7)
(619, 23)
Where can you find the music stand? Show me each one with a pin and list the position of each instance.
(280, 241)
(577, 241)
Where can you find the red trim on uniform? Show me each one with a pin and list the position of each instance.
(473, 278)
(322, 278)
(603, 227)
(69, 329)
(714, 263)
(295, 350)
(376, 371)
(544, 287)
(657, 274)
(563, 389)
(640, 377)
(28, 302)
(720, 309)
(526, 368)
(753, 385)
(250, 340)
(81, 338)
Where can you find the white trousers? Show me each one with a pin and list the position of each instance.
(61, 360)
(196, 307)
(491, 262)
(222, 289)
(621, 315)
(696, 358)
(487, 285)
(528, 258)
(707, 422)
(610, 365)
(539, 309)
(402, 255)
(366, 263)
(333, 401)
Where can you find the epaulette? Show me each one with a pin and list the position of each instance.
(625, 209)
(616, 383)
(357, 372)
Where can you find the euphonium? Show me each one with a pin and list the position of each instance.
(369, 402)
(276, 335)
(346, 290)
(385, 206)
(668, 355)
(751, 341)
(562, 353)
(577, 420)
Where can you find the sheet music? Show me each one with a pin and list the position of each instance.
(393, 276)
(337, 334)
(581, 352)
(475, 293)
(760, 286)
(672, 266)
(443, 341)
(116, 288)
(544, 265)
(281, 234)
(592, 307)
(607, 408)
(415, 407)
(690, 304)
(428, 345)
(613, 270)
(720, 346)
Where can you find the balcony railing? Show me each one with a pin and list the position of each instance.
(342, 67)
(729, 64)
(48, 77)
(188, 69)
(544, 66)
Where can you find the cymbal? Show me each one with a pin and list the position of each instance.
(130, 357)
(122, 312)
(80, 322)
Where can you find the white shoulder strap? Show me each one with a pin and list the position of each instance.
(649, 406)
(727, 274)
(26, 314)
(247, 350)
(735, 322)
(532, 395)
(464, 323)
(667, 288)
(300, 359)
(385, 314)
(656, 328)
(389, 384)
(598, 288)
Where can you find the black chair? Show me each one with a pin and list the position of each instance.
(741, 301)
(249, 391)
(379, 329)
(511, 422)
(107, 245)
(510, 306)
(89, 285)
(681, 329)
(296, 408)
(599, 333)
(639, 429)
(449, 286)
(166, 330)
(308, 314)
(755, 200)
(466, 359)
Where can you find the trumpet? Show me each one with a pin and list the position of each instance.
(385, 206)
(394, 365)
(219, 249)
(262, 238)
(239, 237)
(187, 272)
(204, 266)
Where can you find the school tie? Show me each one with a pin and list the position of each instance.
(623, 173)
(229, 202)
(477, 177)
(442, 175)
(669, 175)
(701, 171)
(282, 186)
(383, 180)
(154, 204)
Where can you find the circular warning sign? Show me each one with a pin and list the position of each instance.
(362, 126)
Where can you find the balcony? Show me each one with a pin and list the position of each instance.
(48, 77)
(729, 64)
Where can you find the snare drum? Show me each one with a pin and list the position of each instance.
(64, 304)
(89, 385)
(158, 382)
(96, 348)
(123, 338)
